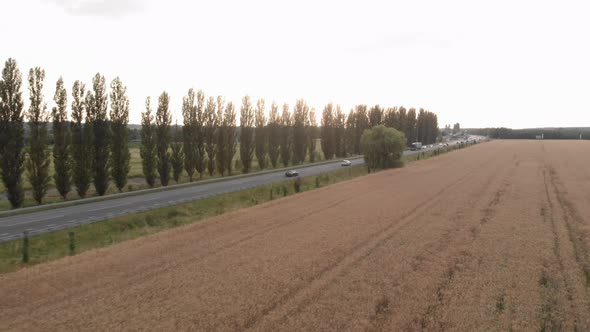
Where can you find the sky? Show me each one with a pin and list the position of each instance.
(497, 63)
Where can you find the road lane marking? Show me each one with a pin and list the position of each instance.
(30, 221)
(109, 207)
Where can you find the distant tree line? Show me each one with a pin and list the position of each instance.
(92, 146)
(341, 134)
(532, 133)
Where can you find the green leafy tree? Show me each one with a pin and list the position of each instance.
(300, 116)
(62, 141)
(12, 138)
(261, 134)
(339, 133)
(382, 147)
(120, 155)
(81, 141)
(220, 137)
(177, 156)
(246, 134)
(210, 134)
(96, 103)
(148, 150)
(189, 134)
(163, 120)
(37, 164)
(229, 121)
(327, 133)
(199, 130)
(274, 134)
(286, 145)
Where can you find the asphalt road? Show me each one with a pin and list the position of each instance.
(37, 222)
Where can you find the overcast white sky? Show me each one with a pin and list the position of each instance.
(493, 63)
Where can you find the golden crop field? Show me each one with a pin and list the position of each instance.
(493, 237)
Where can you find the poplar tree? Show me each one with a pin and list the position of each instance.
(286, 135)
(163, 120)
(261, 134)
(12, 132)
(62, 141)
(148, 149)
(189, 135)
(327, 132)
(199, 130)
(220, 137)
(310, 128)
(120, 155)
(274, 134)
(177, 156)
(361, 123)
(350, 132)
(339, 133)
(96, 103)
(210, 134)
(81, 141)
(411, 125)
(375, 116)
(229, 120)
(37, 164)
(246, 134)
(300, 116)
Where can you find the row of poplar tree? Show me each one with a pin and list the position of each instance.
(92, 146)
(341, 133)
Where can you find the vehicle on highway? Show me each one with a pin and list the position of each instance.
(346, 163)
(291, 173)
(416, 146)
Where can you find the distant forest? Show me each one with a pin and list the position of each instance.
(533, 133)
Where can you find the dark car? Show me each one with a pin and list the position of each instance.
(291, 173)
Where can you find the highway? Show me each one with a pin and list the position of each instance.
(93, 210)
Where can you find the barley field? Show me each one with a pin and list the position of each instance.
(493, 237)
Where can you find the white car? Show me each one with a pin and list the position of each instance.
(346, 163)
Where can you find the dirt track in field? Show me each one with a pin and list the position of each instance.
(494, 237)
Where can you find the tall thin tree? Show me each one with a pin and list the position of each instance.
(274, 134)
(210, 132)
(261, 134)
(12, 136)
(199, 130)
(311, 127)
(81, 141)
(163, 121)
(286, 135)
(229, 121)
(120, 155)
(37, 164)
(300, 116)
(61, 141)
(177, 155)
(189, 135)
(327, 131)
(246, 134)
(148, 150)
(220, 137)
(339, 133)
(96, 103)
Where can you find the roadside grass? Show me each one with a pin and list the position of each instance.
(136, 180)
(50, 246)
(433, 153)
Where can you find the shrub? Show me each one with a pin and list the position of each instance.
(383, 147)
